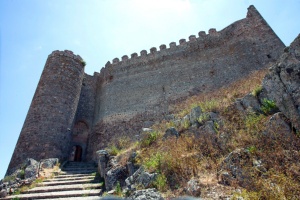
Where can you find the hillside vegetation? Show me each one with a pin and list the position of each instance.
(241, 153)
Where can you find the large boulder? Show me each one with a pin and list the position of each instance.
(237, 168)
(49, 163)
(278, 127)
(195, 114)
(148, 194)
(115, 175)
(171, 132)
(31, 168)
(140, 178)
(282, 83)
(3, 193)
(193, 187)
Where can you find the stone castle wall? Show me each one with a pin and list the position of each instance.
(46, 132)
(72, 108)
(143, 88)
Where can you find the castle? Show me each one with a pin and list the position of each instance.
(73, 114)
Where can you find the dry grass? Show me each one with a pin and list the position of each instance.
(199, 154)
(219, 99)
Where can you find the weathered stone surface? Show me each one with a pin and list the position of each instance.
(250, 103)
(147, 129)
(171, 132)
(148, 194)
(236, 168)
(52, 111)
(283, 83)
(115, 175)
(49, 163)
(195, 113)
(209, 127)
(193, 188)
(278, 127)
(3, 193)
(140, 178)
(31, 171)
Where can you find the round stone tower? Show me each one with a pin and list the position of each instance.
(46, 132)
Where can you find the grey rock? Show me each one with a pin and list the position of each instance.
(148, 194)
(19, 173)
(115, 175)
(282, 83)
(30, 161)
(278, 127)
(213, 116)
(140, 178)
(171, 132)
(147, 130)
(209, 127)
(31, 171)
(49, 163)
(185, 120)
(193, 187)
(235, 168)
(250, 103)
(195, 114)
(148, 124)
(238, 105)
(3, 193)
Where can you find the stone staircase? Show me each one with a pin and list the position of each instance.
(77, 180)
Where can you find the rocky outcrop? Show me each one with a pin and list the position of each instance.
(149, 194)
(283, 83)
(140, 178)
(237, 168)
(28, 172)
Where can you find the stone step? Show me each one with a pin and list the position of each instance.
(84, 198)
(78, 172)
(57, 188)
(80, 166)
(78, 169)
(60, 194)
(73, 175)
(80, 163)
(52, 183)
(68, 178)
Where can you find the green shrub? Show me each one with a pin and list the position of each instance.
(113, 150)
(9, 178)
(257, 91)
(209, 105)
(149, 138)
(185, 124)
(252, 122)
(268, 106)
(203, 118)
(22, 174)
(118, 189)
(83, 63)
(252, 149)
(160, 182)
(154, 162)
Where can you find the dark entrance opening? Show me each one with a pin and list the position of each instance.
(78, 153)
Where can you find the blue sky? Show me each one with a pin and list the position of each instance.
(101, 30)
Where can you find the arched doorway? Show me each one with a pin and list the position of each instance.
(78, 153)
(79, 141)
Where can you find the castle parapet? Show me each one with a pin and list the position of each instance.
(193, 43)
(66, 53)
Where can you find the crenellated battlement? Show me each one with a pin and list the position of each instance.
(193, 43)
(66, 53)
